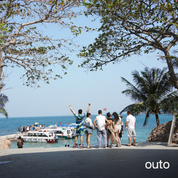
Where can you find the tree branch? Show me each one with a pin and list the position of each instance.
(7, 11)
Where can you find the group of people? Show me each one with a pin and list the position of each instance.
(26, 128)
(30, 128)
(107, 127)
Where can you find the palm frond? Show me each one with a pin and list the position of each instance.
(152, 101)
(3, 100)
(140, 82)
(135, 109)
(133, 91)
(127, 108)
(4, 112)
(170, 103)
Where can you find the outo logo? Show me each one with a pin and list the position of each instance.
(157, 165)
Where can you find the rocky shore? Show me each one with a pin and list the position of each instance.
(4, 144)
(161, 133)
(5, 141)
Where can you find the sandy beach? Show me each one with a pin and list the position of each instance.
(73, 163)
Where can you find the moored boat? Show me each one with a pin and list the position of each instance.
(40, 136)
(63, 131)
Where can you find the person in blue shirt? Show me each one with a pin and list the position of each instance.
(80, 130)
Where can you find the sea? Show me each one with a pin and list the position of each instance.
(10, 126)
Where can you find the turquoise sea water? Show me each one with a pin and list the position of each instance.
(10, 126)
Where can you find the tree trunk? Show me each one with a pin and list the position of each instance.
(172, 74)
(1, 66)
(157, 119)
(1, 63)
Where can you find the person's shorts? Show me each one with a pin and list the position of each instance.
(131, 133)
(89, 130)
(80, 131)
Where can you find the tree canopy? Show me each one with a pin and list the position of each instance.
(23, 44)
(130, 27)
(153, 92)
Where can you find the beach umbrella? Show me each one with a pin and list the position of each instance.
(36, 123)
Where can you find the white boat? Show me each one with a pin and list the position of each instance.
(40, 136)
(69, 133)
(58, 131)
(62, 131)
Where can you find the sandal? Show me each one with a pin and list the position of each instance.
(128, 145)
(133, 144)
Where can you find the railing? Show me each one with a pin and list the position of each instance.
(172, 130)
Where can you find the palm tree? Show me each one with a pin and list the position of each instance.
(153, 93)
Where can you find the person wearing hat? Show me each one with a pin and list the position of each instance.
(20, 142)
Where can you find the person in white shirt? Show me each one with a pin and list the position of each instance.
(130, 126)
(101, 128)
(89, 129)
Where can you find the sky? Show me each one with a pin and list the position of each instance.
(79, 87)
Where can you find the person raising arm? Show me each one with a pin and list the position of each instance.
(71, 109)
(89, 104)
(80, 129)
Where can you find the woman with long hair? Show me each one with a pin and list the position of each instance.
(110, 129)
(117, 121)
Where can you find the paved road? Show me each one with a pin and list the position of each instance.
(84, 163)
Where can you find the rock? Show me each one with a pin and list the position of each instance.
(161, 133)
(4, 144)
